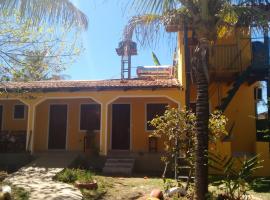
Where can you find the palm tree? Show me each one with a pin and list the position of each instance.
(207, 19)
(52, 11)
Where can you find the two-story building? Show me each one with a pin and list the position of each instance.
(62, 115)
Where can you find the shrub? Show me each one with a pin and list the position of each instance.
(237, 174)
(72, 175)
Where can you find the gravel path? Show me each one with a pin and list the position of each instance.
(37, 179)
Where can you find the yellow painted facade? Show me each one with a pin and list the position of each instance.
(38, 116)
(241, 110)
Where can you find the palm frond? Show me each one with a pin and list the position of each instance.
(252, 16)
(52, 11)
(154, 6)
(145, 27)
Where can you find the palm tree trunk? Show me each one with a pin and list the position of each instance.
(202, 113)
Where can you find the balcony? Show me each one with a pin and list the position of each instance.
(226, 62)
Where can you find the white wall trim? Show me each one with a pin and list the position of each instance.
(144, 96)
(18, 99)
(59, 98)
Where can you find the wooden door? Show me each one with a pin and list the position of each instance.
(57, 127)
(120, 126)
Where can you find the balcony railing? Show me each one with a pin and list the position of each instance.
(223, 58)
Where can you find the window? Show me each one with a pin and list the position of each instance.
(90, 117)
(258, 94)
(18, 112)
(152, 110)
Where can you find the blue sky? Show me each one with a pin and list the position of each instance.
(99, 60)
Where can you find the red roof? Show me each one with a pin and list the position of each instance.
(91, 85)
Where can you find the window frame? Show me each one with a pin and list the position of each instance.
(79, 123)
(13, 112)
(146, 120)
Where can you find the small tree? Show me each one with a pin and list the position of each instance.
(178, 128)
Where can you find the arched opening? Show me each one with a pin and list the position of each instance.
(67, 124)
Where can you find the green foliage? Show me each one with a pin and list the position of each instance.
(261, 185)
(60, 12)
(72, 175)
(155, 59)
(177, 128)
(31, 53)
(20, 194)
(237, 174)
(217, 126)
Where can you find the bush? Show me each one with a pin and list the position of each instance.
(3, 175)
(237, 174)
(72, 175)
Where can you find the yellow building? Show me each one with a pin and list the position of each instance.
(238, 68)
(62, 115)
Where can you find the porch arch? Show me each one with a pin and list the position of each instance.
(74, 136)
(108, 127)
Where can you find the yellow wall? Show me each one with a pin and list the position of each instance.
(139, 134)
(8, 122)
(39, 106)
(240, 111)
(75, 137)
(263, 149)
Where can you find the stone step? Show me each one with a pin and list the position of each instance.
(119, 166)
(117, 170)
(185, 178)
(122, 160)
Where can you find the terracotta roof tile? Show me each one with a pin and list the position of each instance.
(91, 85)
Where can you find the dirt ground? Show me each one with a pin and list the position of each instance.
(131, 188)
(118, 188)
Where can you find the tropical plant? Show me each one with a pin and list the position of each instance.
(237, 172)
(155, 59)
(49, 11)
(208, 20)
